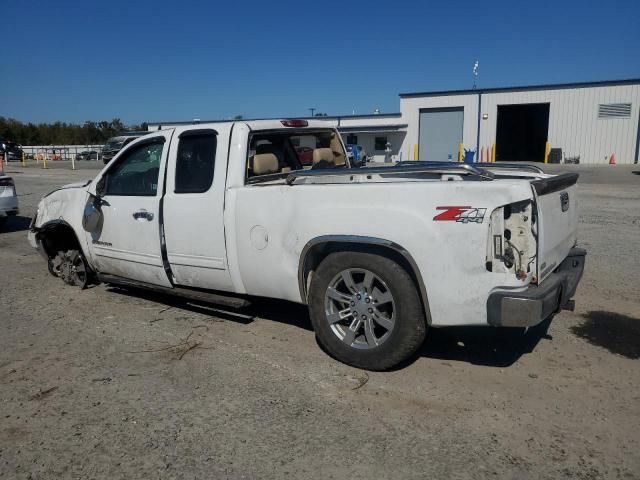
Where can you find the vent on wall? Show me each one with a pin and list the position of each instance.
(614, 110)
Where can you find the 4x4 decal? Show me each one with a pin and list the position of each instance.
(460, 214)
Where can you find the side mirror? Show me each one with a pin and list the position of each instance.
(92, 216)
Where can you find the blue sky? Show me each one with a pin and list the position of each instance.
(159, 60)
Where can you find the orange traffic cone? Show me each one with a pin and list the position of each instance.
(612, 159)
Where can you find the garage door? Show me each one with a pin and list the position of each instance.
(440, 134)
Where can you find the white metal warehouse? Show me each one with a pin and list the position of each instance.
(588, 122)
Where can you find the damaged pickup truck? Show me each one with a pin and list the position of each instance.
(224, 212)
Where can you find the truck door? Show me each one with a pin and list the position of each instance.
(193, 207)
(129, 192)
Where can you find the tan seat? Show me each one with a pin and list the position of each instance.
(338, 152)
(323, 158)
(264, 164)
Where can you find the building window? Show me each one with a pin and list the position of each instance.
(614, 110)
(381, 143)
(352, 139)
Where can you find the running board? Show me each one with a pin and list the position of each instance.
(207, 296)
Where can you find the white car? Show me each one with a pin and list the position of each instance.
(224, 212)
(8, 198)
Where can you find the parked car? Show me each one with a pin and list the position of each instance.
(11, 150)
(225, 212)
(87, 155)
(115, 144)
(357, 155)
(8, 198)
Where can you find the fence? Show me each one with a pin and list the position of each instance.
(61, 152)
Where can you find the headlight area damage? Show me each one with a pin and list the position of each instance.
(53, 233)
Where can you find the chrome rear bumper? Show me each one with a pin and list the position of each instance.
(538, 302)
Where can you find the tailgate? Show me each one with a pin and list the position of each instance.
(557, 220)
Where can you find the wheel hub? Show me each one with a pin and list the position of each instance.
(361, 305)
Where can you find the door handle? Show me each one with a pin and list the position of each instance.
(143, 214)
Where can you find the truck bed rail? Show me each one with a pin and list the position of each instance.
(498, 166)
(438, 168)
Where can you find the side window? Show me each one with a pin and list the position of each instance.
(195, 162)
(136, 173)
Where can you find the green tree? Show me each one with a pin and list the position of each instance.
(62, 133)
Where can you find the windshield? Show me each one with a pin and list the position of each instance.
(283, 151)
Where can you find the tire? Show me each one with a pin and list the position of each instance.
(396, 328)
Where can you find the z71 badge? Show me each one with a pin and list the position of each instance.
(460, 214)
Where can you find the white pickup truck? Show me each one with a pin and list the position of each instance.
(224, 212)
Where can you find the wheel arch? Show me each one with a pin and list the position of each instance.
(317, 249)
(57, 234)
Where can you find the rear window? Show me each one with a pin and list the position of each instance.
(281, 152)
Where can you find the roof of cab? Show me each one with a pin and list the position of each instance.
(270, 124)
(277, 124)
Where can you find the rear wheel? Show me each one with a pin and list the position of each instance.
(365, 310)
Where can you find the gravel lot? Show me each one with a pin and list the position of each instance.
(108, 383)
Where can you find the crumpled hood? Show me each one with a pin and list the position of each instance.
(77, 184)
(65, 203)
(70, 185)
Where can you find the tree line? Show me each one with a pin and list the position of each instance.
(62, 133)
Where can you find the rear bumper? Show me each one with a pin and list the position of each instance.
(538, 302)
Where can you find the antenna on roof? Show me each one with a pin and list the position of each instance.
(476, 66)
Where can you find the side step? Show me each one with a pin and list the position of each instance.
(207, 296)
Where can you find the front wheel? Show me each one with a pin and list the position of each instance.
(71, 267)
(366, 311)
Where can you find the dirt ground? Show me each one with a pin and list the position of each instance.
(108, 383)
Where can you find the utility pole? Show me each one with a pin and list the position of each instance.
(312, 110)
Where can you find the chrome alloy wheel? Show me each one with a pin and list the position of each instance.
(360, 308)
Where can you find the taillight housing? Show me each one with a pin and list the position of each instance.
(512, 242)
(294, 123)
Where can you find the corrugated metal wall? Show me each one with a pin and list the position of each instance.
(574, 125)
(410, 109)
